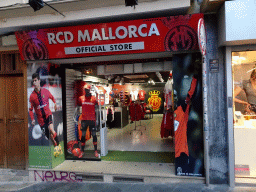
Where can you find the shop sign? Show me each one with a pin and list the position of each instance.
(242, 170)
(174, 33)
(202, 36)
(214, 65)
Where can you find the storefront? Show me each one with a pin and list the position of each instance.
(146, 78)
(238, 37)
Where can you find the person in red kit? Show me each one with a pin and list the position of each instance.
(88, 119)
(39, 101)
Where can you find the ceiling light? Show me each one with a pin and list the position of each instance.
(143, 76)
(138, 81)
(159, 76)
(131, 3)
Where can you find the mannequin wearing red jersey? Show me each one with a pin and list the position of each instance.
(88, 119)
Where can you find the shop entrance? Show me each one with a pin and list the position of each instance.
(12, 132)
(244, 76)
(133, 109)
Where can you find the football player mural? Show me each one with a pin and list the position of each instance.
(45, 112)
(188, 114)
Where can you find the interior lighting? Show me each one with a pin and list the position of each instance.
(239, 57)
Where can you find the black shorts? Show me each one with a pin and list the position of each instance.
(45, 128)
(86, 123)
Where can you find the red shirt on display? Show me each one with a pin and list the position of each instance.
(88, 107)
(40, 102)
(142, 95)
(101, 90)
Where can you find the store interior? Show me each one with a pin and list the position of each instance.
(131, 105)
(243, 67)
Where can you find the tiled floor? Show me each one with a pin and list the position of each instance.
(128, 139)
(118, 167)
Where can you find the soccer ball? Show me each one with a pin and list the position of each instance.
(77, 152)
(56, 151)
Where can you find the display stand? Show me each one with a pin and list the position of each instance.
(103, 130)
(135, 127)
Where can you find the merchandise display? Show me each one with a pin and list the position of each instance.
(167, 126)
(118, 104)
(107, 94)
(134, 95)
(168, 93)
(127, 98)
(142, 95)
(88, 118)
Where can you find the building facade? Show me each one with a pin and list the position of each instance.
(211, 152)
(237, 39)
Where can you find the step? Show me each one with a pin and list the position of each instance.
(111, 171)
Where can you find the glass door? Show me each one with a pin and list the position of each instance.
(244, 97)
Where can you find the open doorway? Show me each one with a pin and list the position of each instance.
(134, 105)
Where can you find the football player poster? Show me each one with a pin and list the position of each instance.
(188, 114)
(45, 120)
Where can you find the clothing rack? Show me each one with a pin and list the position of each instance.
(135, 122)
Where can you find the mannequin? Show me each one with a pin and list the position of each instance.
(88, 102)
(168, 92)
(107, 94)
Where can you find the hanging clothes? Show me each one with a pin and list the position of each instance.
(127, 99)
(108, 90)
(110, 117)
(167, 125)
(142, 95)
(132, 111)
(168, 93)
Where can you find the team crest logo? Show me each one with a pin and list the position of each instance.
(34, 49)
(180, 36)
(155, 101)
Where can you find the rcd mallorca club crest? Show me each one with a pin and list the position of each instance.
(155, 101)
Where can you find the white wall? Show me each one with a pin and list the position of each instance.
(240, 23)
(12, 2)
(16, 19)
(7, 3)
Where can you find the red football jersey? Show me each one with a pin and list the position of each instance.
(40, 102)
(88, 107)
(142, 95)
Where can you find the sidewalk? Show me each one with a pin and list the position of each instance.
(13, 180)
(131, 187)
(17, 180)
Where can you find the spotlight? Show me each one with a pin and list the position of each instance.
(36, 4)
(131, 3)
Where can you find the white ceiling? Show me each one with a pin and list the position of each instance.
(84, 11)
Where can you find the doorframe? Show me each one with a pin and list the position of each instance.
(230, 107)
(26, 115)
(23, 73)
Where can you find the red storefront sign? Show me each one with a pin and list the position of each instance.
(174, 33)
